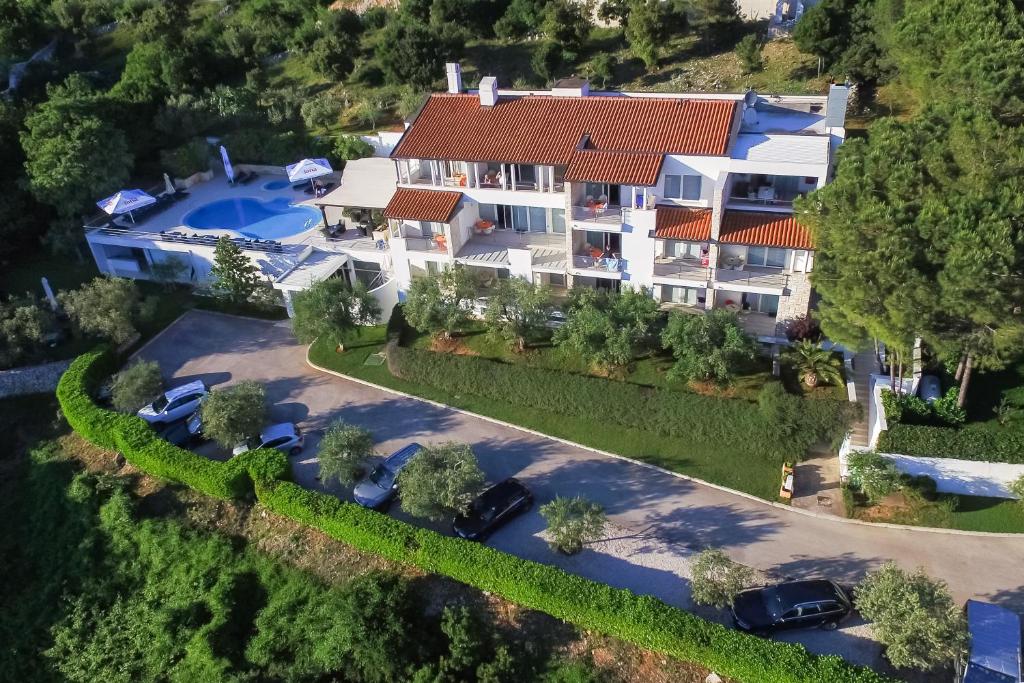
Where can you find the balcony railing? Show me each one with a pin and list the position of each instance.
(765, 202)
(607, 215)
(598, 264)
(428, 244)
(752, 278)
(682, 269)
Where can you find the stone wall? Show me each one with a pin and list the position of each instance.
(796, 302)
(33, 379)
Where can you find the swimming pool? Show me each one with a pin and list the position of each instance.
(265, 220)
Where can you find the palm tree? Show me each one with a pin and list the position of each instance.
(814, 364)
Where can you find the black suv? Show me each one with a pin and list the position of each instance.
(491, 509)
(791, 605)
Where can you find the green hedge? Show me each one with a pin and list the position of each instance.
(966, 443)
(643, 620)
(673, 413)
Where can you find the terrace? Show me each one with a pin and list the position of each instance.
(547, 250)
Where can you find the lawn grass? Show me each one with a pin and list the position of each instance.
(714, 462)
(947, 511)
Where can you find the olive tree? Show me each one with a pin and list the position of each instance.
(608, 328)
(107, 307)
(343, 450)
(233, 414)
(707, 347)
(1017, 488)
(23, 323)
(715, 579)
(517, 310)
(913, 615)
(439, 304)
(332, 310)
(135, 386)
(440, 481)
(572, 523)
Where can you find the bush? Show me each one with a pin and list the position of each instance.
(572, 523)
(23, 324)
(192, 157)
(321, 111)
(643, 620)
(673, 413)
(1016, 487)
(715, 579)
(947, 410)
(260, 146)
(973, 442)
(108, 307)
(136, 385)
(876, 476)
(707, 347)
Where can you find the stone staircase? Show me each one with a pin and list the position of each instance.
(864, 365)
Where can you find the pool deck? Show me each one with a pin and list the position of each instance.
(172, 218)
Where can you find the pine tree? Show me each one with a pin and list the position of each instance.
(235, 276)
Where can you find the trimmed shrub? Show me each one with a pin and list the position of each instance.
(640, 619)
(978, 443)
(673, 413)
(192, 157)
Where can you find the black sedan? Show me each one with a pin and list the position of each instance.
(791, 605)
(491, 509)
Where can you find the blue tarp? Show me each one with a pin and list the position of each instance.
(995, 655)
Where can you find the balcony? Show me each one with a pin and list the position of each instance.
(752, 277)
(682, 269)
(598, 216)
(434, 245)
(598, 266)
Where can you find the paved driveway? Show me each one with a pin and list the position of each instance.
(658, 518)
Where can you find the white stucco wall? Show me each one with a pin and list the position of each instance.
(965, 477)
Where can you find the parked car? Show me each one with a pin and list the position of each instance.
(285, 436)
(175, 404)
(176, 432)
(556, 319)
(195, 425)
(379, 487)
(491, 509)
(994, 654)
(930, 388)
(791, 605)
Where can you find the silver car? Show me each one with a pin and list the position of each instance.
(379, 487)
(285, 436)
(175, 404)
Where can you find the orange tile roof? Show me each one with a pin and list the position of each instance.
(681, 223)
(764, 229)
(543, 129)
(630, 168)
(422, 205)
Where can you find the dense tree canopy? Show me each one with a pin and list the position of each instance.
(920, 234)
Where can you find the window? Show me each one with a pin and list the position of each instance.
(691, 187)
(520, 218)
(489, 212)
(769, 257)
(556, 279)
(679, 295)
(761, 303)
(558, 221)
(686, 250)
(673, 187)
(538, 219)
(433, 268)
(682, 187)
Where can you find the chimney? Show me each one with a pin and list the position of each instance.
(454, 71)
(488, 91)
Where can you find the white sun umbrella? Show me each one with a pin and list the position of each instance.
(307, 169)
(126, 201)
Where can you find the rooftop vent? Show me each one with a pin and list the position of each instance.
(488, 91)
(571, 87)
(750, 108)
(454, 71)
(835, 106)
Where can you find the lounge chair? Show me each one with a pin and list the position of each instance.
(249, 178)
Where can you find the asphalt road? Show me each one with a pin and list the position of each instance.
(659, 519)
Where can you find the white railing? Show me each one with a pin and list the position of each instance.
(752, 278)
(682, 270)
(425, 244)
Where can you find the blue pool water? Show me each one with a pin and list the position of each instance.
(269, 220)
(277, 185)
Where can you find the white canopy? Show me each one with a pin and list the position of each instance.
(365, 183)
(125, 201)
(307, 169)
